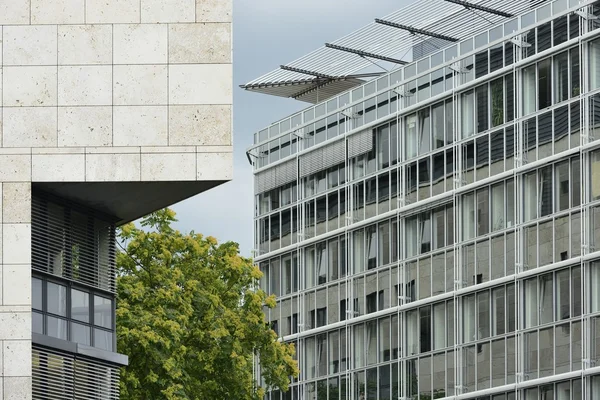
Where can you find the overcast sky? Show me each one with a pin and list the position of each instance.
(266, 34)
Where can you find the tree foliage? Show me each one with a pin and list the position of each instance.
(190, 318)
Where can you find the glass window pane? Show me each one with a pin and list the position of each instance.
(80, 333)
(467, 114)
(80, 305)
(103, 339)
(37, 323)
(531, 303)
(469, 319)
(57, 299)
(546, 298)
(57, 327)
(103, 312)
(36, 293)
(528, 90)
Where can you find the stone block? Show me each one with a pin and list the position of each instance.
(200, 84)
(168, 167)
(29, 45)
(112, 167)
(16, 244)
(140, 126)
(202, 125)
(84, 44)
(14, 12)
(113, 11)
(29, 127)
(58, 168)
(155, 11)
(29, 86)
(17, 358)
(16, 202)
(140, 44)
(15, 167)
(140, 84)
(84, 126)
(200, 43)
(214, 166)
(57, 11)
(214, 10)
(85, 85)
(16, 290)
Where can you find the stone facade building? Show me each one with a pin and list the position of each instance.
(110, 109)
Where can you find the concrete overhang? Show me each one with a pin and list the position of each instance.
(126, 201)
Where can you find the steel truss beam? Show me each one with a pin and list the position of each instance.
(466, 4)
(365, 53)
(306, 72)
(415, 30)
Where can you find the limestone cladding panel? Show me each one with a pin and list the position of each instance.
(17, 357)
(140, 44)
(169, 167)
(200, 43)
(17, 388)
(29, 126)
(214, 166)
(112, 11)
(29, 86)
(58, 167)
(15, 167)
(201, 125)
(16, 244)
(85, 44)
(29, 45)
(89, 85)
(14, 12)
(200, 84)
(84, 126)
(154, 11)
(15, 205)
(140, 125)
(113, 167)
(213, 10)
(57, 11)
(140, 85)
(16, 325)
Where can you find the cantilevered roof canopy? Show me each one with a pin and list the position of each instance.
(386, 44)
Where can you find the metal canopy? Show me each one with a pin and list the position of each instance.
(333, 68)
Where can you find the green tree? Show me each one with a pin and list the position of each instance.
(189, 316)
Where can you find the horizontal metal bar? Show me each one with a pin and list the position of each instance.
(365, 53)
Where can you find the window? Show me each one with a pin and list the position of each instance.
(410, 127)
(497, 95)
(424, 131)
(73, 244)
(594, 64)
(467, 114)
(73, 313)
(438, 125)
(544, 84)
(561, 77)
(529, 92)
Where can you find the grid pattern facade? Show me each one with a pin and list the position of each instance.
(442, 238)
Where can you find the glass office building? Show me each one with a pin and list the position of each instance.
(435, 231)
